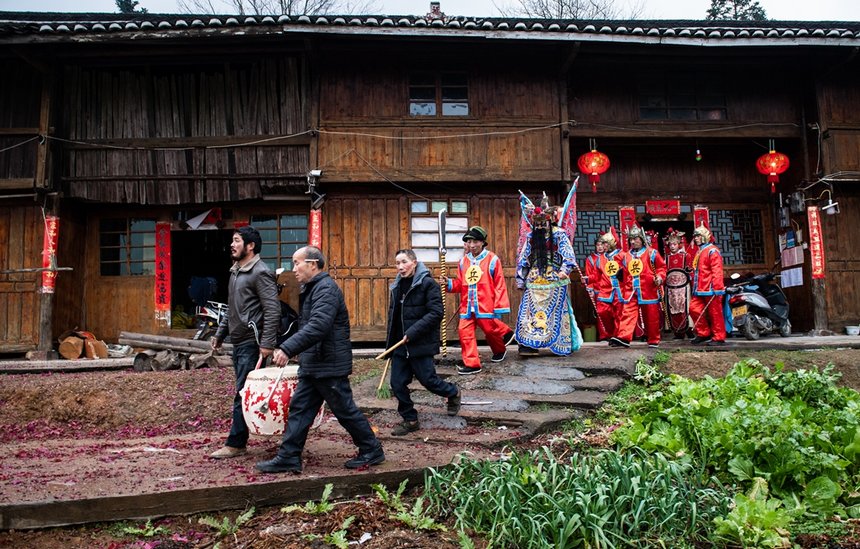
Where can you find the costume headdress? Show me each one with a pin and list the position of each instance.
(475, 233)
(703, 231)
(673, 236)
(636, 232)
(609, 240)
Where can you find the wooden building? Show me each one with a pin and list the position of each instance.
(150, 137)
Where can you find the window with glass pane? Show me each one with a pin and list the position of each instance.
(126, 247)
(424, 231)
(282, 235)
(432, 95)
(682, 97)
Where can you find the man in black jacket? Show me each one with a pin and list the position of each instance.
(414, 314)
(252, 319)
(325, 362)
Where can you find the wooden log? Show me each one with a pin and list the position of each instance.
(168, 342)
(143, 361)
(71, 347)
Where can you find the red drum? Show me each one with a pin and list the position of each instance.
(271, 419)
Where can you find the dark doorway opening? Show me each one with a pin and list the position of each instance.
(203, 253)
(662, 227)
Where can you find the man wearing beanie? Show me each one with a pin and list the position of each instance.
(483, 299)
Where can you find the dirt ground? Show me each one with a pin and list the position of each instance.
(97, 408)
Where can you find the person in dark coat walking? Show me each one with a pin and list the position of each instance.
(414, 315)
(252, 319)
(325, 362)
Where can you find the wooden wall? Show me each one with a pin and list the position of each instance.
(19, 121)
(21, 233)
(168, 134)
(362, 232)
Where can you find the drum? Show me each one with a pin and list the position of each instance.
(271, 419)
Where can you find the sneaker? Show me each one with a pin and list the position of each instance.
(228, 452)
(698, 340)
(280, 464)
(373, 457)
(527, 351)
(466, 371)
(498, 357)
(716, 343)
(616, 342)
(454, 403)
(654, 345)
(509, 338)
(405, 427)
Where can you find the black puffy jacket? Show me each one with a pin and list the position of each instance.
(322, 340)
(421, 314)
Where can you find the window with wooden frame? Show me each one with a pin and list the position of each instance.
(682, 97)
(126, 247)
(424, 228)
(438, 94)
(282, 235)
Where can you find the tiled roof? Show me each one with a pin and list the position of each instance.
(115, 27)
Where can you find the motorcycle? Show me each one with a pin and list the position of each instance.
(207, 318)
(758, 306)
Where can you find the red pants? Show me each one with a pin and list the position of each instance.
(708, 322)
(607, 319)
(493, 329)
(630, 318)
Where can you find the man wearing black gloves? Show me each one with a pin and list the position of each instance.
(325, 362)
(414, 314)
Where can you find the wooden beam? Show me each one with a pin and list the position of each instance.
(19, 131)
(16, 184)
(638, 130)
(195, 142)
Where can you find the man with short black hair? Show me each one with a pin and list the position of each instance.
(325, 361)
(253, 315)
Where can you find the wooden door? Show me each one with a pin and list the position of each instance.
(21, 233)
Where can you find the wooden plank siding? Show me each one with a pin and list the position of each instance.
(21, 233)
(207, 132)
(19, 122)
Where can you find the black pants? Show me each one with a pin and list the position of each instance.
(304, 405)
(403, 369)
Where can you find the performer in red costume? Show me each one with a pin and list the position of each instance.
(647, 271)
(706, 305)
(592, 277)
(607, 281)
(679, 264)
(483, 298)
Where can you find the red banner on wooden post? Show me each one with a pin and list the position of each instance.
(701, 216)
(49, 253)
(663, 208)
(315, 228)
(627, 217)
(816, 242)
(162, 272)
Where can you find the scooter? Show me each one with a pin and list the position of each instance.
(207, 318)
(758, 306)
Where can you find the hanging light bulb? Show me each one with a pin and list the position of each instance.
(698, 155)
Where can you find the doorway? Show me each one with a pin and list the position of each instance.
(662, 227)
(204, 254)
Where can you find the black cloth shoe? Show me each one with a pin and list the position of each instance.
(527, 351)
(405, 428)
(498, 357)
(454, 402)
(716, 343)
(616, 342)
(698, 340)
(509, 338)
(373, 457)
(466, 371)
(280, 464)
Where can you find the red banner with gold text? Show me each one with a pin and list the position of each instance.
(627, 217)
(49, 253)
(315, 229)
(816, 243)
(162, 270)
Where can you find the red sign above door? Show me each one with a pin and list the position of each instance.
(663, 208)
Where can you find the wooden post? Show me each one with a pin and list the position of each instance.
(819, 298)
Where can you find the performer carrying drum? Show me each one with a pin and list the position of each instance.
(677, 299)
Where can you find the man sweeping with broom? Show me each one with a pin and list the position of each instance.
(415, 312)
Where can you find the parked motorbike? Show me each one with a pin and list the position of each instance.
(207, 318)
(758, 306)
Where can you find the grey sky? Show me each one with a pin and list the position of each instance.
(803, 10)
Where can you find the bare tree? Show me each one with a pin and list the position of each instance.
(574, 9)
(278, 7)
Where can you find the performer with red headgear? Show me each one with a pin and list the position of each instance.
(706, 305)
(607, 282)
(647, 272)
(679, 264)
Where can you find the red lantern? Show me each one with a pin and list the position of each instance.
(772, 164)
(593, 163)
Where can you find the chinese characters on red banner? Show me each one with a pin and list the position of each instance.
(49, 253)
(315, 238)
(663, 208)
(816, 244)
(162, 270)
(701, 216)
(627, 215)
